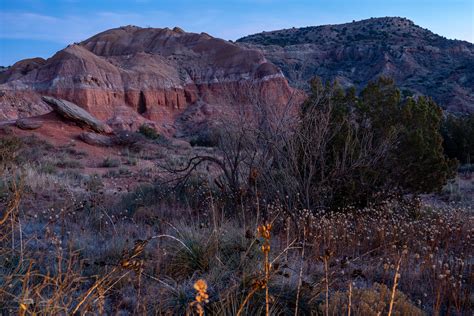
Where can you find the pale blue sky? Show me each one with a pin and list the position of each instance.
(30, 28)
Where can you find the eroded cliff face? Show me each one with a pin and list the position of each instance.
(420, 61)
(129, 75)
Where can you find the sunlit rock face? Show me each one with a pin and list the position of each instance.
(130, 75)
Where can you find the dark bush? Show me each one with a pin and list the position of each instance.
(66, 163)
(110, 163)
(148, 132)
(132, 140)
(358, 149)
(205, 139)
(458, 137)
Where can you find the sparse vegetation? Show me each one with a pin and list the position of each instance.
(229, 230)
(110, 163)
(154, 271)
(149, 132)
(206, 139)
(66, 163)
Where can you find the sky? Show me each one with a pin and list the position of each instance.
(39, 28)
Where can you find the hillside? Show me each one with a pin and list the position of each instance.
(131, 75)
(354, 53)
(152, 171)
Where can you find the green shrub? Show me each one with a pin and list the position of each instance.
(131, 140)
(148, 132)
(458, 137)
(72, 164)
(359, 149)
(78, 154)
(205, 139)
(110, 163)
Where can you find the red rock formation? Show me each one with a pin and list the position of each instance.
(128, 75)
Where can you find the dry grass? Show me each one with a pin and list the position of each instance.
(91, 250)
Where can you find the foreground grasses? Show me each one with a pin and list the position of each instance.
(74, 244)
(86, 254)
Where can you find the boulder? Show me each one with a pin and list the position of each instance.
(28, 124)
(180, 144)
(96, 139)
(75, 113)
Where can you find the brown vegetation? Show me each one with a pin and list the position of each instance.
(151, 225)
(88, 252)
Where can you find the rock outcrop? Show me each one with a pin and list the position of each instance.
(179, 82)
(96, 139)
(28, 124)
(420, 61)
(131, 75)
(72, 112)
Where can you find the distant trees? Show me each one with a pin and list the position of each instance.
(354, 149)
(423, 166)
(339, 148)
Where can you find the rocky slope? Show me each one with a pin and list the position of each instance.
(354, 53)
(130, 75)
